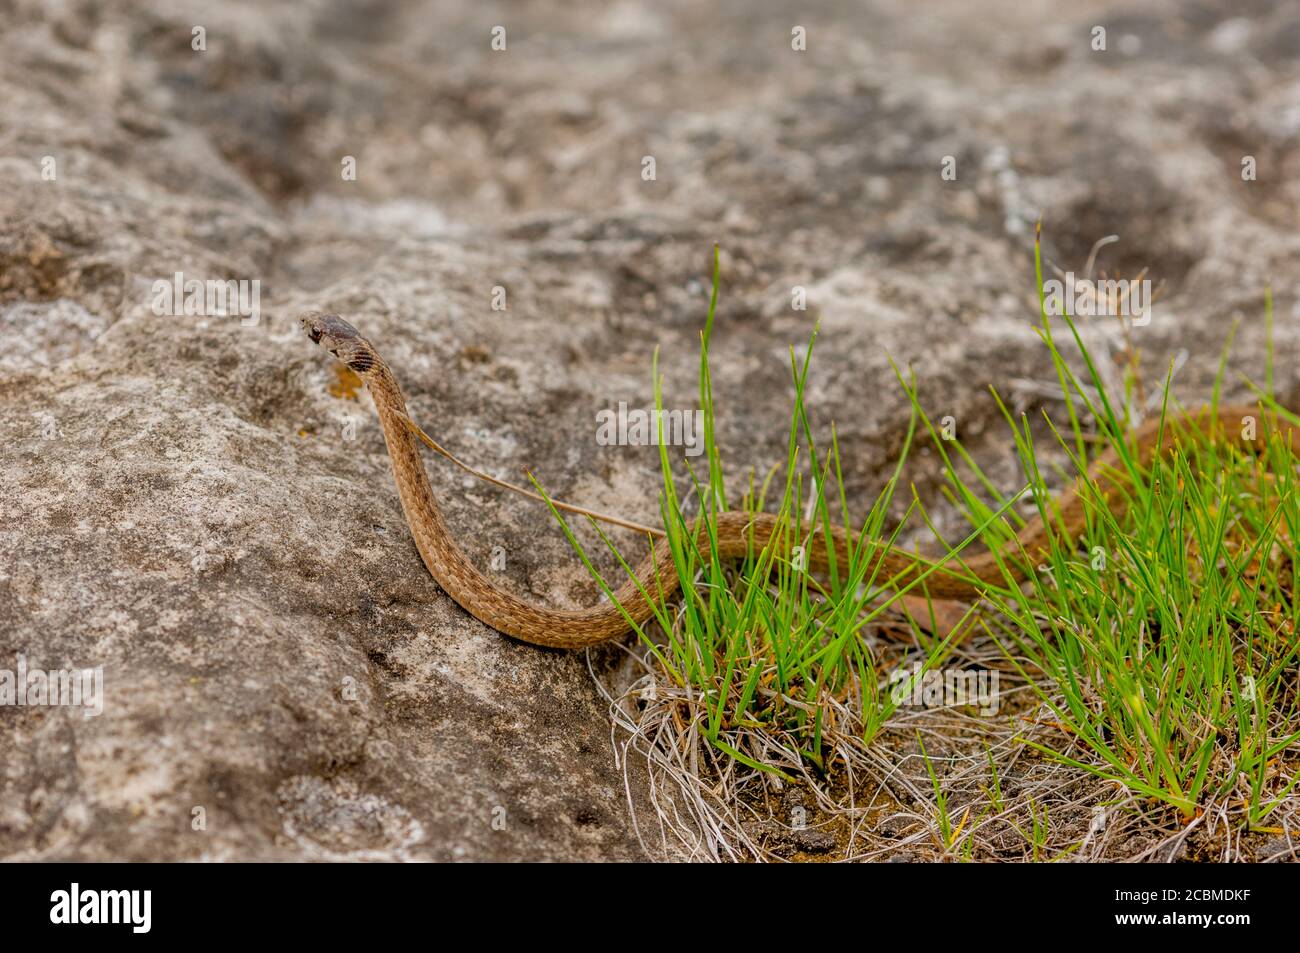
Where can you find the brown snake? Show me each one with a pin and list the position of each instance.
(737, 533)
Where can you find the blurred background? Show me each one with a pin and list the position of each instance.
(198, 504)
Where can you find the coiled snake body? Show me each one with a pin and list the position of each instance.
(737, 533)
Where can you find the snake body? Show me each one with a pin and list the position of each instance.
(736, 533)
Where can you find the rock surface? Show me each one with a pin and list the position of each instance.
(200, 505)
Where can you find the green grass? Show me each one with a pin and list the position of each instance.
(1163, 639)
(1161, 642)
(762, 644)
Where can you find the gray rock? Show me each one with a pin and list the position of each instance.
(191, 505)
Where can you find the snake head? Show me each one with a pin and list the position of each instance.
(339, 338)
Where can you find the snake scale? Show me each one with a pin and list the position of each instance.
(737, 533)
